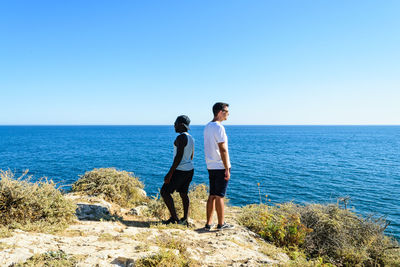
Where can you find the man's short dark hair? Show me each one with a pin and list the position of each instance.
(218, 107)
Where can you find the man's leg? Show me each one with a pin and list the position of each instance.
(210, 208)
(220, 205)
(221, 185)
(169, 202)
(185, 203)
(183, 191)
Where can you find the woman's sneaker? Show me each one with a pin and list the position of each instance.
(169, 221)
(184, 222)
(225, 226)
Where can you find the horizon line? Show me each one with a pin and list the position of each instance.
(2, 125)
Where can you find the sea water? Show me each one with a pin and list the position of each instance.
(303, 164)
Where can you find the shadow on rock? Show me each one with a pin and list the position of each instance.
(139, 224)
(94, 212)
(124, 262)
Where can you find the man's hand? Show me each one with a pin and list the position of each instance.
(223, 150)
(167, 178)
(227, 174)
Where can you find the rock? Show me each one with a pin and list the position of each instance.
(19, 255)
(122, 243)
(142, 192)
(90, 207)
(138, 211)
(123, 261)
(94, 212)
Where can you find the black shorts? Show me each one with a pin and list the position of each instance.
(180, 182)
(218, 184)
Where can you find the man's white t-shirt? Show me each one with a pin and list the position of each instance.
(214, 133)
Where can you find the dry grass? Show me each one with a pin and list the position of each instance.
(269, 249)
(142, 236)
(51, 258)
(164, 258)
(173, 252)
(73, 233)
(5, 246)
(119, 187)
(5, 231)
(241, 244)
(166, 241)
(106, 237)
(344, 237)
(142, 247)
(337, 236)
(30, 206)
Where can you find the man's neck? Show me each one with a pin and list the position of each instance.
(216, 120)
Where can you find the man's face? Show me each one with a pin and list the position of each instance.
(224, 113)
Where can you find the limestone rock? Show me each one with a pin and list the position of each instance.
(90, 207)
(138, 211)
(122, 243)
(142, 192)
(94, 212)
(122, 261)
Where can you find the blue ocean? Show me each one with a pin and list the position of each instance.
(303, 164)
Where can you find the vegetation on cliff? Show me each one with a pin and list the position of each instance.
(31, 206)
(325, 232)
(119, 187)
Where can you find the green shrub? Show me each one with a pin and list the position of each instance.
(251, 217)
(279, 225)
(36, 206)
(324, 232)
(197, 209)
(119, 187)
(284, 231)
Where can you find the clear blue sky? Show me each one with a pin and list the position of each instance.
(145, 62)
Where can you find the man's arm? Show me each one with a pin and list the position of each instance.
(180, 142)
(225, 159)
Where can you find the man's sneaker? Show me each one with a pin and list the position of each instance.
(183, 222)
(169, 221)
(208, 227)
(225, 226)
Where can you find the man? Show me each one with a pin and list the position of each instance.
(180, 174)
(218, 165)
